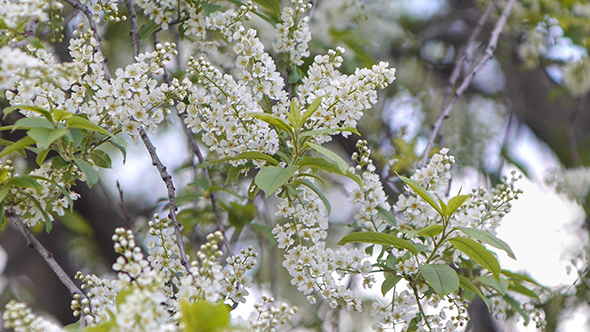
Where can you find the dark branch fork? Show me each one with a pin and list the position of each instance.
(487, 55)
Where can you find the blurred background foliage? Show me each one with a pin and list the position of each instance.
(538, 80)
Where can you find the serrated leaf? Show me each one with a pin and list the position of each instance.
(389, 283)
(442, 278)
(342, 165)
(89, 172)
(21, 143)
(501, 286)
(430, 231)
(44, 137)
(478, 253)
(101, 159)
(488, 238)
(209, 8)
(244, 155)
(271, 178)
(329, 131)
(311, 110)
(147, 30)
(455, 203)
(273, 120)
(418, 189)
(204, 316)
(28, 123)
(379, 238)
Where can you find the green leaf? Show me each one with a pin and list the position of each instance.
(89, 172)
(233, 174)
(201, 182)
(76, 223)
(35, 109)
(41, 157)
(442, 278)
(387, 216)
(516, 286)
(28, 123)
(430, 231)
(329, 131)
(523, 277)
(379, 238)
(83, 123)
(516, 306)
(324, 199)
(273, 120)
(389, 283)
(21, 143)
(44, 137)
(35, 42)
(501, 286)
(455, 203)
(271, 178)
(77, 136)
(244, 155)
(59, 115)
(466, 284)
(488, 238)
(3, 193)
(253, 190)
(294, 114)
(101, 159)
(274, 5)
(209, 8)
(118, 143)
(294, 76)
(25, 181)
(204, 316)
(478, 253)
(265, 231)
(58, 162)
(342, 165)
(147, 30)
(312, 109)
(418, 189)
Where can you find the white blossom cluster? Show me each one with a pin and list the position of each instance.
(20, 13)
(54, 194)
(19, 317)
(314, 268)
(344, 97)
(266, 317)
(370, 195)
(573, 182)
(293, 34)
(13, 63)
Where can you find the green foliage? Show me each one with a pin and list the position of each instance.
(204, 316)
(441, 278)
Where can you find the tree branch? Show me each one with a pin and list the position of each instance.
(488, 54)
(33, 243)
(134, 33)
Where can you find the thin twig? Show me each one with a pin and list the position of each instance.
(94, 28)
(134, 27)
(33, 243)
(313, 5)
(126, 214)
(197, 152)
(488, 54)
(167, 178)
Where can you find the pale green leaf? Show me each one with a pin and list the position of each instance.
(28, 123)
(90, 173)
(271, 178)
(478, 253)
(442, 278)
(311, 109)
(488, 238)
(418, 189)
(21, 143)
(501, 286)
(244, 155)
(204, 316)
(329, 131)
(516, 306)
(209, 8)
(273, 120)
(455, 203)
(466, 284)
(430, 231)
(389, 283)
(101, 159)
(342, 165)
(44, 136)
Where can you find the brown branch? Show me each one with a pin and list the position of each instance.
(33, 243)
(122, 206)
(134, 27)
(77, 5)
(488, 54)
(167, 178)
